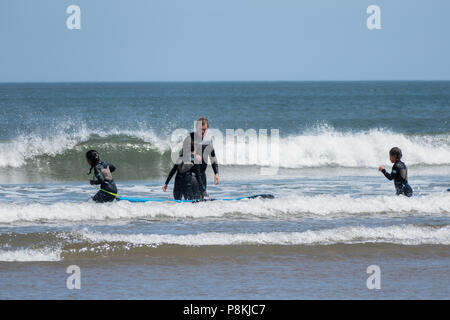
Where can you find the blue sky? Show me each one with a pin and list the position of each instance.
(218, 40)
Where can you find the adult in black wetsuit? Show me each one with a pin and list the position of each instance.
(195, 152)
(188, 183)
(399, 173)
(103, 177)
(202, 150)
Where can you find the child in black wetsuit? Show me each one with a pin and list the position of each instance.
(188, 181)
(103, 177)
(399, 173)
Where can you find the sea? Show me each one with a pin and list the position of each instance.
(334, 230)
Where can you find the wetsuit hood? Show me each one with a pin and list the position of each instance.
(93, 157)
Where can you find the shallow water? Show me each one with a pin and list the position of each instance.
(333, 214)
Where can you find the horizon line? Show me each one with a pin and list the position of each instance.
(216, 81)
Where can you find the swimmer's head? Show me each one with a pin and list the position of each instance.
(201, 125)
(395, 154)
(92, 157)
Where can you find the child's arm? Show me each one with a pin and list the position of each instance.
(388, 175)
(112, 167)
(99, 177)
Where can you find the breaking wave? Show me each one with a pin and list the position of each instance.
(316, 206)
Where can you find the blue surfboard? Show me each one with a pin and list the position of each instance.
(261, 196)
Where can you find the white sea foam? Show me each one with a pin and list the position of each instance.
(30, 146)
(325, 146)
(323, 206)
(29, 255)
(403, 234)
(322, 146)
(396, 234)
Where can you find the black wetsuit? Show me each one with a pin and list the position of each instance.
(207, 150)
(400, 176)
(103, 177)
(188, 184)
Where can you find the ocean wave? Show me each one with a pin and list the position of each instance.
(321, 146)
(30, 255)
(328, 147)
(402, 234)
(324, 206)
(86, 244)
(17, 152)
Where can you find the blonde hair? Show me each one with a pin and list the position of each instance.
(204, 121)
